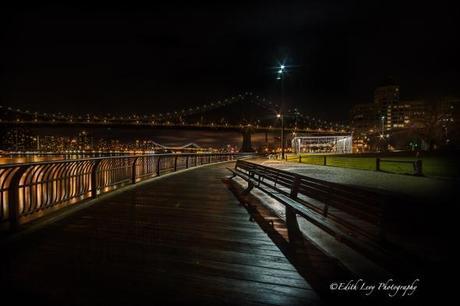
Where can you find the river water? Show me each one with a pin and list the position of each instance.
(29, 158)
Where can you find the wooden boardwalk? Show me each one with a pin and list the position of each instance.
(181, 239)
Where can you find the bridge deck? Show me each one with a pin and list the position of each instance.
(180, 239)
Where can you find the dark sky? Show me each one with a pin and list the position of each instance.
(163, 57)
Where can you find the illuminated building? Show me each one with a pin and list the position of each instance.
(364, 120)
(385, 97)
(411, 113)
(322, 144)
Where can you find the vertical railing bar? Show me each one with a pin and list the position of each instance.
(93, 179)
(158, 166)
(13, 198)
(43, 185)
(133, 169)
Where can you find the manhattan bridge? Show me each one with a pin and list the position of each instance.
(245, 113)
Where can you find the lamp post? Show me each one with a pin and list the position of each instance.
(382, 132)
(383, 124)
(281, 116)
(280, 77)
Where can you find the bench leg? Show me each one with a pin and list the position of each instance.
(325, 210)
(248, 189)
(294, 233)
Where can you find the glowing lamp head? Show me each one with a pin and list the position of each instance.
(278, 115)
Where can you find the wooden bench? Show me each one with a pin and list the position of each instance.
(353, 215)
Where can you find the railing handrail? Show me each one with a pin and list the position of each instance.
(106, 157)
(416, 163)
(30, 190)
(398, 161)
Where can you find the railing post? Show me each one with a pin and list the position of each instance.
(175, 163)
(324, 160)
(186, 162)
(294, 233)
(133, 172)
(158, 166)
(300, 159)
(418, 170)
(377, 164)
(94, 178)
(13, 198)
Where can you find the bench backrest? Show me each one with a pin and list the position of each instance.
(357, 202)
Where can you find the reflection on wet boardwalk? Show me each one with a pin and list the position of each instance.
(179, 239)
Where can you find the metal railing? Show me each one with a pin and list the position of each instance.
(31, 190)
(416, 164)
(334, 161)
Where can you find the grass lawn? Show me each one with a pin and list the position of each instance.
(431, 165)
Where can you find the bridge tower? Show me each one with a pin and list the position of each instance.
(247, 143)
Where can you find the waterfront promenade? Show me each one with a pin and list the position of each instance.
(179, 239)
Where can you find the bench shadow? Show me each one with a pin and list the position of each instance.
(316, 267)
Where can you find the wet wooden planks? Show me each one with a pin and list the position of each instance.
(182, 239)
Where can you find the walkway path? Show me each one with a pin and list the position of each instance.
(179, 239)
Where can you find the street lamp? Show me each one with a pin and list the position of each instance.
(280, 77)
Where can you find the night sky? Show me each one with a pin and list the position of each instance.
(164, 57)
